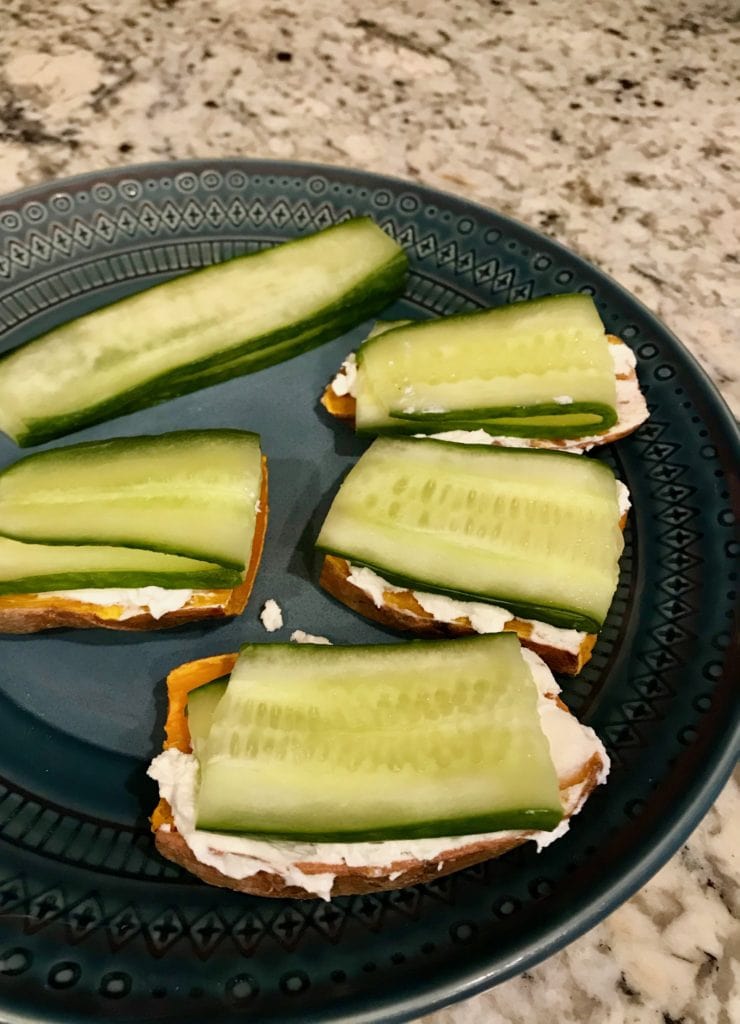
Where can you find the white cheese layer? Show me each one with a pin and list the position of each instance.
(345, 382)
(484, 618)
(571, 747)
(271, 615)
(299, 636)
(154, 601)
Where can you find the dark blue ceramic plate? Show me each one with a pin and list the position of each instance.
(93, 925)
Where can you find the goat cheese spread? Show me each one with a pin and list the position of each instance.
(345, 381)
(298, 636)
(271, 615)
(156, 601)
(484, 618)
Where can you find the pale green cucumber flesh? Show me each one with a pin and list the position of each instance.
(251, 361)
(202, 703)
(513, 361)
(36, 568)
(535, 532)
(127, 355)
(191, 493)
(421, 739)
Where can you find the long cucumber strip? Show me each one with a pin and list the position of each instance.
(156, 344)
(191, 493)
(536, 532)
(512, 365)
(35, 568)
(379, 742)
(250, 362)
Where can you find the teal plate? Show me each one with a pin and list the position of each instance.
(93, 924)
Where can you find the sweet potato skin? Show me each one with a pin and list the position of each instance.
(348, 881)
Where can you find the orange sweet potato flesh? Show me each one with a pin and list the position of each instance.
(180, 682)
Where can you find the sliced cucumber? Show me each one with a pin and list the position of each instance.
(191, 493)
(250, 362)
(202, 703)
(536, 532)
(35, 568)
(364, 743)
(243, 314)
(533, 369)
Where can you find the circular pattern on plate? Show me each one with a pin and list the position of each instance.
(90, 916)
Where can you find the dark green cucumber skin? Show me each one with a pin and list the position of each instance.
(555, 616)
(544, 819)
(218, 579)
(478, 419)
(251, 361)
(357, 305)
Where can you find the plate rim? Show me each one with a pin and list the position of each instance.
(704, 790)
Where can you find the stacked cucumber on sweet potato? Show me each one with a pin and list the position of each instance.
(441, 538)
(308, 771)
(471, 530)
(178, 515)
(535, 374)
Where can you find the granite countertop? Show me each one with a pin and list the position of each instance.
(612, 127)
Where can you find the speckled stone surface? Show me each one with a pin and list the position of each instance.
(612, 126)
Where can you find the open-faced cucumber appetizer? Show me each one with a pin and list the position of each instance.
(447, 539)
(534, 374)
(132, 533)
(321, 771)
(197, 329)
